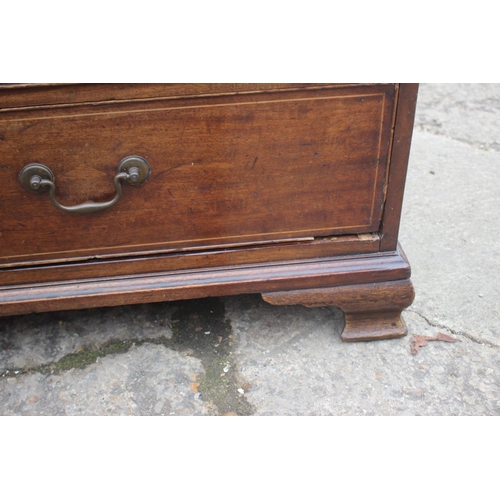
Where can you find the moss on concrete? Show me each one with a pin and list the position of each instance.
(200, 326)
(199, 329)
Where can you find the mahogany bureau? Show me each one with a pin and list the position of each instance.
(120, 194)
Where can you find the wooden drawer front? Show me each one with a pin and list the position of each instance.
(225, 170)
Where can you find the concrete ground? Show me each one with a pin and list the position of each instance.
(239, 355)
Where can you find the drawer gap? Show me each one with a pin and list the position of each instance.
(323, 247)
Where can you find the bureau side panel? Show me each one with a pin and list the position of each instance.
(403, 130)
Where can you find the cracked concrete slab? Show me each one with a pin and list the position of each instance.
(449, 231)
(240, 355)
(296, 364)
(461, 111)
(36, 339)
(146, 380)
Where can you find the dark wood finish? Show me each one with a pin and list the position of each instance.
(156, 287)
(220, 172)
(372, 310)
(405, 117)
(289, 190)
(193, 259)
(19, 96)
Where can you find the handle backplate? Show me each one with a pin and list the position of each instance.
(32, 175)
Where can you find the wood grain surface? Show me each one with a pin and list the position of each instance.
(293, 191)
(177, 285)
(29, 95)
(372, 310)
(225, 170)
(192, 259)
(403, 130)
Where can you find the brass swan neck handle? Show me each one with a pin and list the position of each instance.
(37, 178)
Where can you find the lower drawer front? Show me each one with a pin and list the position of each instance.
(225, 170)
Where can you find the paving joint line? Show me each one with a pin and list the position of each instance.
(455, 332)
(84, 357)
(491, 148)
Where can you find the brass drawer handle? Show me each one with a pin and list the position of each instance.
(36, 178)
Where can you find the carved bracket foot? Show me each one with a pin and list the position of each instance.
(372, 311)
